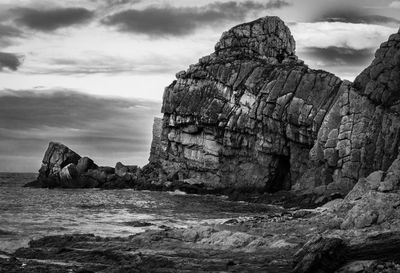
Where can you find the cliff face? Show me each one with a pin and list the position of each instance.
(360, 133)
(253, 116)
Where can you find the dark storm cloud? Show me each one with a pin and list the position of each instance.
(10, 61)
(108, 129)
(8, 34)
(339, 56)
(277, 4)
(29, 109)
(51, 19)
(179, 21)
(356, 17)
(9, 31)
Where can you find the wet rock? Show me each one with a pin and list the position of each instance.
(320, 255)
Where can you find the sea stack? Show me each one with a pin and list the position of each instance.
(252, 116)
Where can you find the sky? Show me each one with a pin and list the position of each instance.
(91, 73)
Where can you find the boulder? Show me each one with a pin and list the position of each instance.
(320, 255)
(370, 253)
(122, 170)
(101, 174)
(85, 164)
(56, 157)
(371, 201)
(69, 175)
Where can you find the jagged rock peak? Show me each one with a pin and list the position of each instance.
(266, 37)
(380, 82)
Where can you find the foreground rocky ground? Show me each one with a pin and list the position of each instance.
(360, 233)
(295, 240)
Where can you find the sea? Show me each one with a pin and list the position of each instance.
(30, 213)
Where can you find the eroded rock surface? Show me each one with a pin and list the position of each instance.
(247, 115)
(251, 116)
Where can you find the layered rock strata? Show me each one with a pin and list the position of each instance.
(252, 116)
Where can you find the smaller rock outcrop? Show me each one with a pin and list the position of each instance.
(64, 168)
(374, 200)
(56, 157)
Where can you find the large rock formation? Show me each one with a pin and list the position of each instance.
(251, 116)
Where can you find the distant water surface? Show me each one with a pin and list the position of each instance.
(27, 213)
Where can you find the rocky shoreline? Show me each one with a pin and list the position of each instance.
(64, 168)
(282, 241)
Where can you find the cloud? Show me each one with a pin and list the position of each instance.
(106, 65)
(51, 19)
(117, 2)
(10, 61)
(340, 48)
(395, 4)
(338, 34)
(339, 56)
(277, 4)
(107, 129)
(8, 33)
(179, 21)
(354, 16)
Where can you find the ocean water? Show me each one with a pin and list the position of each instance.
(27, 213)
